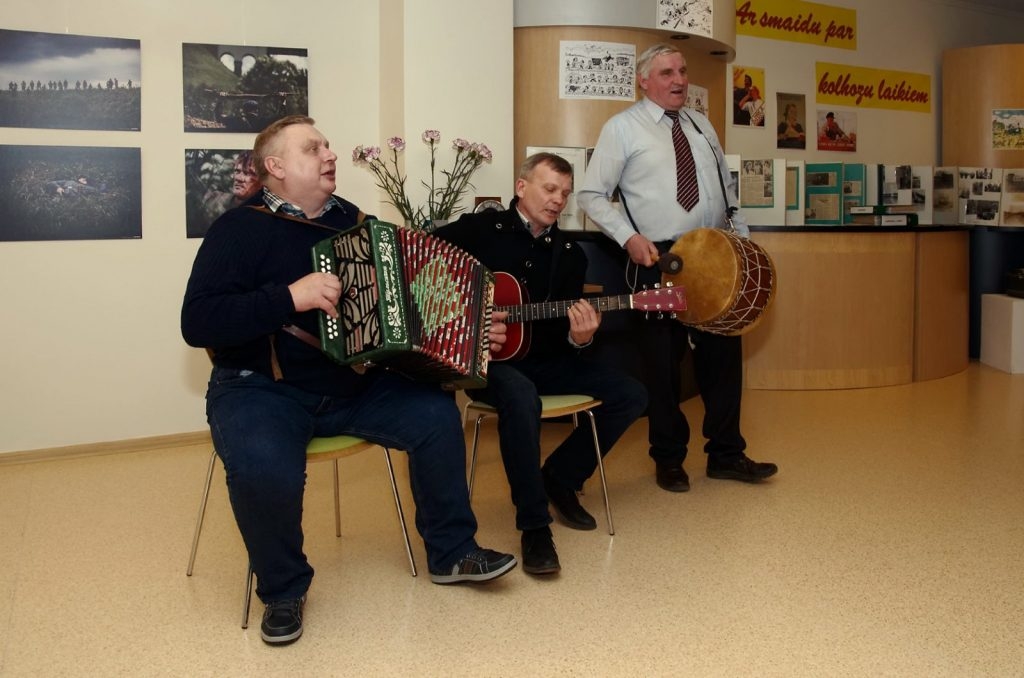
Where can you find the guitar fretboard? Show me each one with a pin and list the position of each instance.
(557, 309)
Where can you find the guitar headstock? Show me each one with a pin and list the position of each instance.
(663, 299)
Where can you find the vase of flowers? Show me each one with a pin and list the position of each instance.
(443, 195)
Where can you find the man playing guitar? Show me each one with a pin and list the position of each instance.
(525, 242)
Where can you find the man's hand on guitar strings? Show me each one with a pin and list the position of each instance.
(583, 322)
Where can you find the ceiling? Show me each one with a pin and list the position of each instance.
(1003, 6)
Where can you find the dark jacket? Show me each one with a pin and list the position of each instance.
(502, 242)
(237, 297)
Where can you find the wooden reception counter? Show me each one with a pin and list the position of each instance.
(861, 307)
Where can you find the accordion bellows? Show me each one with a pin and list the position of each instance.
(409, 302)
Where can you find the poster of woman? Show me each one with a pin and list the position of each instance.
(791, 132)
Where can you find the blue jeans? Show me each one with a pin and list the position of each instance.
(261, 428)
(513, 388)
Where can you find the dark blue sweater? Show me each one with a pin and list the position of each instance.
(237, 297)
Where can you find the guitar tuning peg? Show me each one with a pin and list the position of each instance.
(668, 283)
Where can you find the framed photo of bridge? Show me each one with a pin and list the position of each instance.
(242, 88)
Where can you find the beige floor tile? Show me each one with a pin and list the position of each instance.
(890, 543)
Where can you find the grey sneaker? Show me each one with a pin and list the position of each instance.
(476, 566)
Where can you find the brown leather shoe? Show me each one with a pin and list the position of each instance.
(672, 477)
(743, 469)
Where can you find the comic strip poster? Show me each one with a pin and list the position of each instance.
(697, 98)
(597, 70)
(689, 16)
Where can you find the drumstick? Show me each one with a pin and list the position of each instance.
(668, 263)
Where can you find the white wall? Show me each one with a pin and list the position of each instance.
(91, 349)
(902, 35)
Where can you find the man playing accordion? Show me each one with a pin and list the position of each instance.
(270, 392)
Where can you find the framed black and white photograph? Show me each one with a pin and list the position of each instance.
(216, 180)
(242, 88)
(70, 193)
(59, 81)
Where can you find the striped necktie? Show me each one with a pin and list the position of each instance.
(687, 191)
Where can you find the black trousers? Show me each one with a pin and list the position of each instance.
(718, 371)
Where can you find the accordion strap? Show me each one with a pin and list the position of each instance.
(301, 335)
(360, 218)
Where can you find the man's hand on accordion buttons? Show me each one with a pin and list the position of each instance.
(497, 334)
(316, 291)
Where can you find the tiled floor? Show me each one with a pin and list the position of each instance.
(891, 543)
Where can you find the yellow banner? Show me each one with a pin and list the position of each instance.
(798, 21)
(873, 88)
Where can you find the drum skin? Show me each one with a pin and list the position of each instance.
(729, 281)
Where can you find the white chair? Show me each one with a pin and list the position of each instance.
(319, 449)
(552, 406)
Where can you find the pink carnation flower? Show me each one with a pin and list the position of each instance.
(483, 151)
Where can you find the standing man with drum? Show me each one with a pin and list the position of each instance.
(670, 170)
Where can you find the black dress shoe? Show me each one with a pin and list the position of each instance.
(744, 469)
(567, 505)
(672, 477)
(539, 555)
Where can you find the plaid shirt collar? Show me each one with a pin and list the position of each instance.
(275, 202)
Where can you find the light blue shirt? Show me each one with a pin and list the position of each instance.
(635, 154)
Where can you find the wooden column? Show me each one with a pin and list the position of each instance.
(543, 119)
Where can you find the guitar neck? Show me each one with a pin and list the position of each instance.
(558, 309)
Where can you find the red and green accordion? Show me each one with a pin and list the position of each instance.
(409, 302)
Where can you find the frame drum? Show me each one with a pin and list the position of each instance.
(729, 281)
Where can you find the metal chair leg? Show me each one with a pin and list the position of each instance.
(401, 514)
(576, 425)
(472, 456)
(337, 503)
(202, 514)
(600, 468)
(248, 597)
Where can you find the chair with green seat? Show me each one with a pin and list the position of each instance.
(319, 449)
(552, 407)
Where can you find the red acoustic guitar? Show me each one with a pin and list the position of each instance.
(510, 297)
